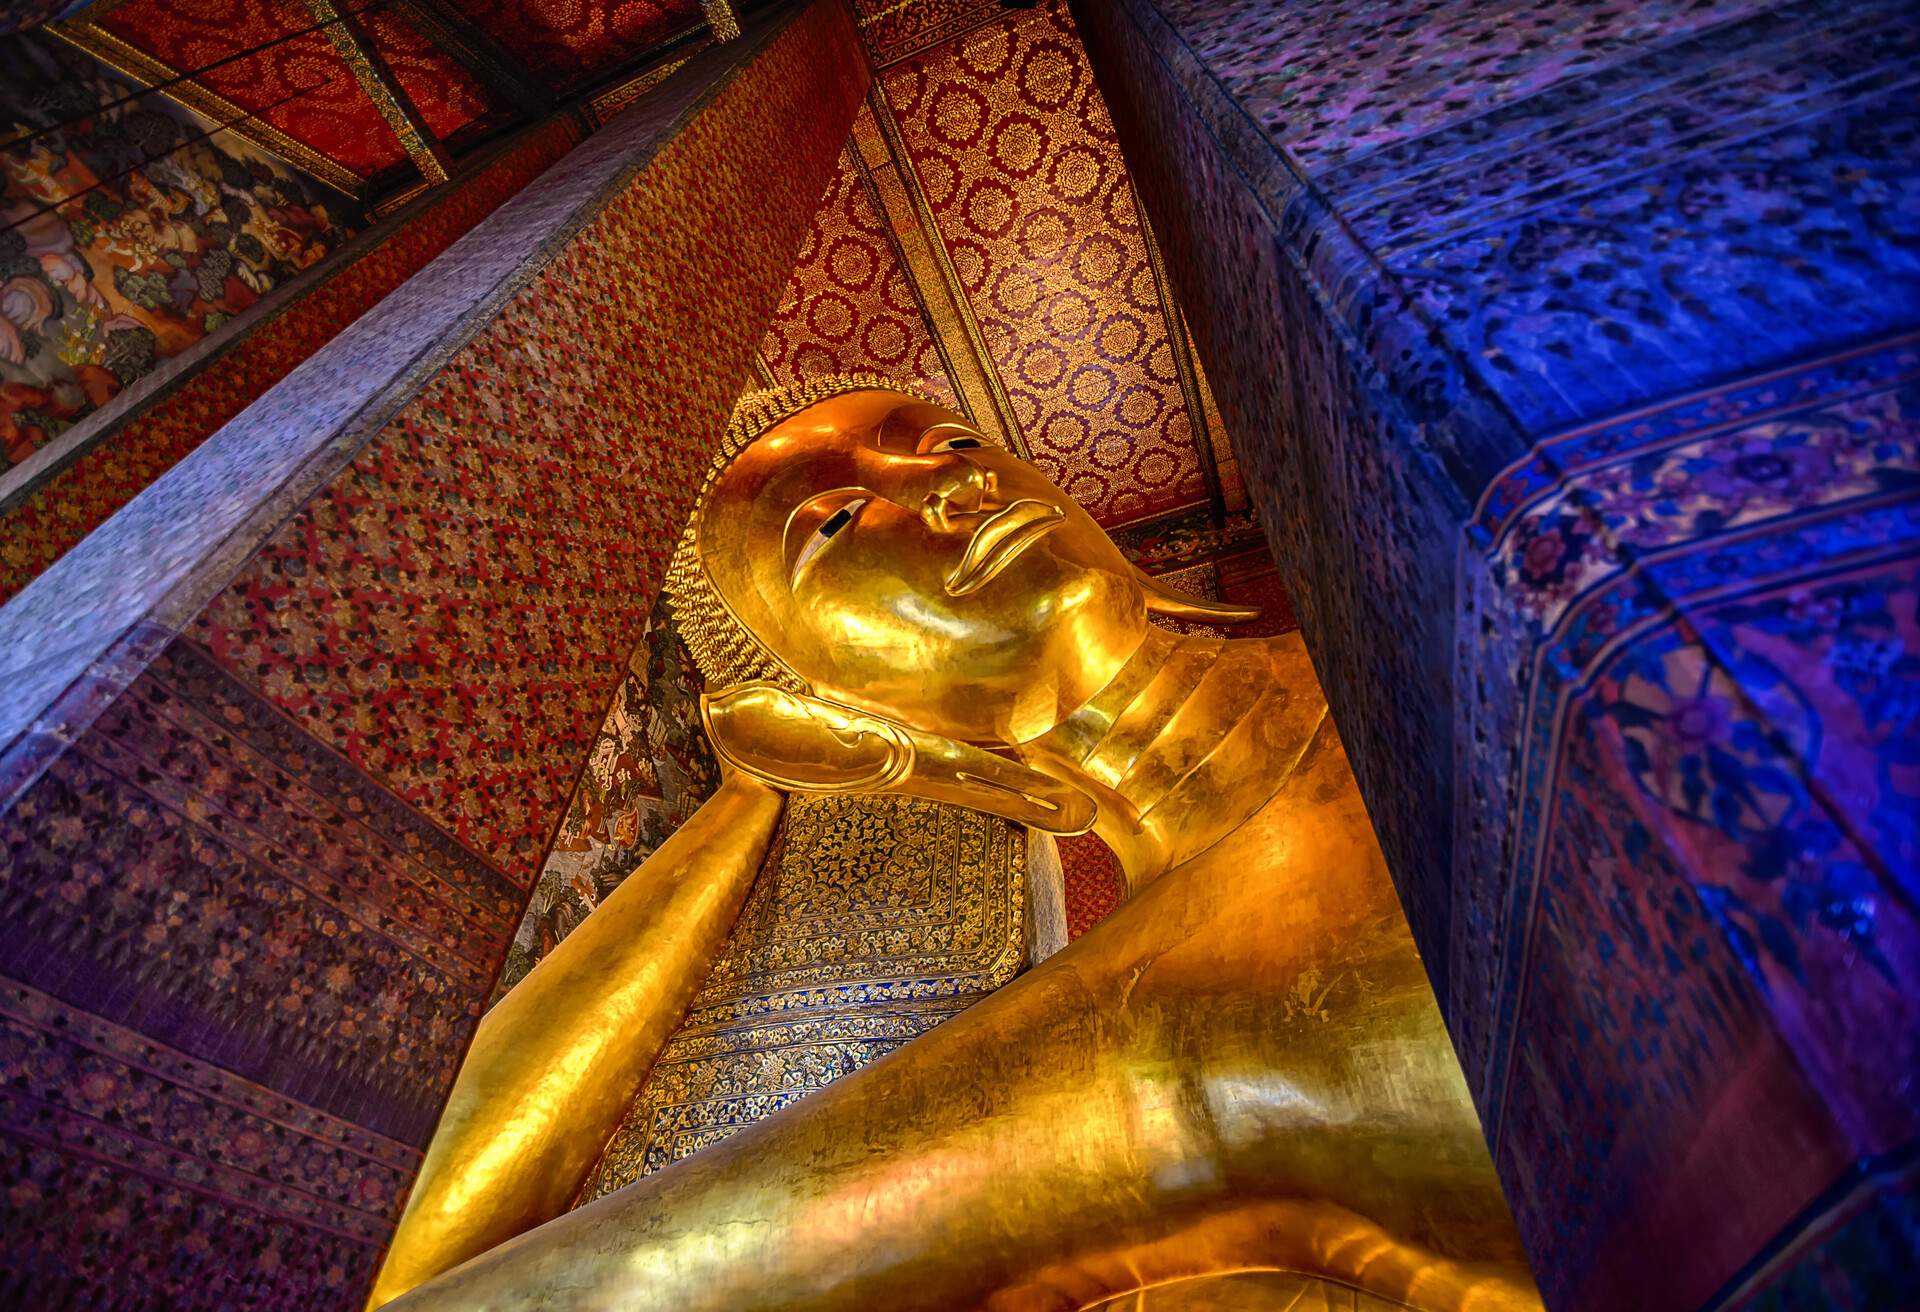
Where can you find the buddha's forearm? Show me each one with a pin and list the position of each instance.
(557, 1062)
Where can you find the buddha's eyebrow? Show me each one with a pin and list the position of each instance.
(823, 532)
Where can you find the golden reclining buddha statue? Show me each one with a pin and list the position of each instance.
(1241, 1070)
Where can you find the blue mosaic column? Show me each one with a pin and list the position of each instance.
(1570, 352)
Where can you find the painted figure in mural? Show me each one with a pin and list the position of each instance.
(127, 234)
(1242, 1069)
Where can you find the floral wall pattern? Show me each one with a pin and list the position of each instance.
(130, 235)
(850, 306)
(1018, 160)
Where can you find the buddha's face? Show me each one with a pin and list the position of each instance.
(899, 563)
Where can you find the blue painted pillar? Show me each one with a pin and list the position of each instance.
(1571, 354)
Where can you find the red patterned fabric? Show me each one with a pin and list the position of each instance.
(574, 41)
(849, 305)
(1018, 159)
(1093, 883)
(66, 507)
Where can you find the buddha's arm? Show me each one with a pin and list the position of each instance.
(556, 1063)
(1242, 1067)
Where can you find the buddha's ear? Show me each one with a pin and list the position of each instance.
(1163, 600)
(805, 744)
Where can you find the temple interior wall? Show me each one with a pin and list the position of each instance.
(265, 854)
(1568, 353)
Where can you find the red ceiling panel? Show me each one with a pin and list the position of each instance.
(849, 307)
(1019, 161)
(301, 86)
(573, 41)
(448, 97)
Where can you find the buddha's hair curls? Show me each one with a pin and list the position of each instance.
(725, 650)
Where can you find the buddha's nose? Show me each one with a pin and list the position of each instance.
(958, 487)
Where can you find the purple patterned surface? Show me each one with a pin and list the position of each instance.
(240, 965)
(1566, 347)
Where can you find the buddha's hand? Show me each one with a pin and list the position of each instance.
(803, 744)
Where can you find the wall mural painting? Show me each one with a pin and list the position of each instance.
(649, 769)
(129, 235)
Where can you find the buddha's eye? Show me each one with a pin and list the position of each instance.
(957, 444)
(825, 532)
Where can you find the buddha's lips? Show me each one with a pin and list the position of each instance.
(996, 542)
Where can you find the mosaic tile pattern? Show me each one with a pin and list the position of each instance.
(303, 950)
(412, 614)
(850, 306)
(129, 236)
(1333, 78)
(42, 525)
(113, 1143)
(1018, 160)
(194, 865)
(1728, 791)
(1093, 883)
(1660, 865)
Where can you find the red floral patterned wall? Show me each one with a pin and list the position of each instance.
(850, 305)
(39, 528)
(1017, 157)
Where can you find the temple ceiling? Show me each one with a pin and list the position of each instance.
(373, 97)
(982, 238)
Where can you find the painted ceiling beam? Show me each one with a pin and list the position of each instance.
(356, 46)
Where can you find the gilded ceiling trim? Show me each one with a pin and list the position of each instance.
(383, 89)
(405, 196)
(150, 74)
(942, 323)
(937, 35)
(602, 107)
(883, 157)
(722, 19)
(1200, 419)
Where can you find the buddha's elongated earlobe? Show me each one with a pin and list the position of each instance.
(805, 744)
(1163, 600)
